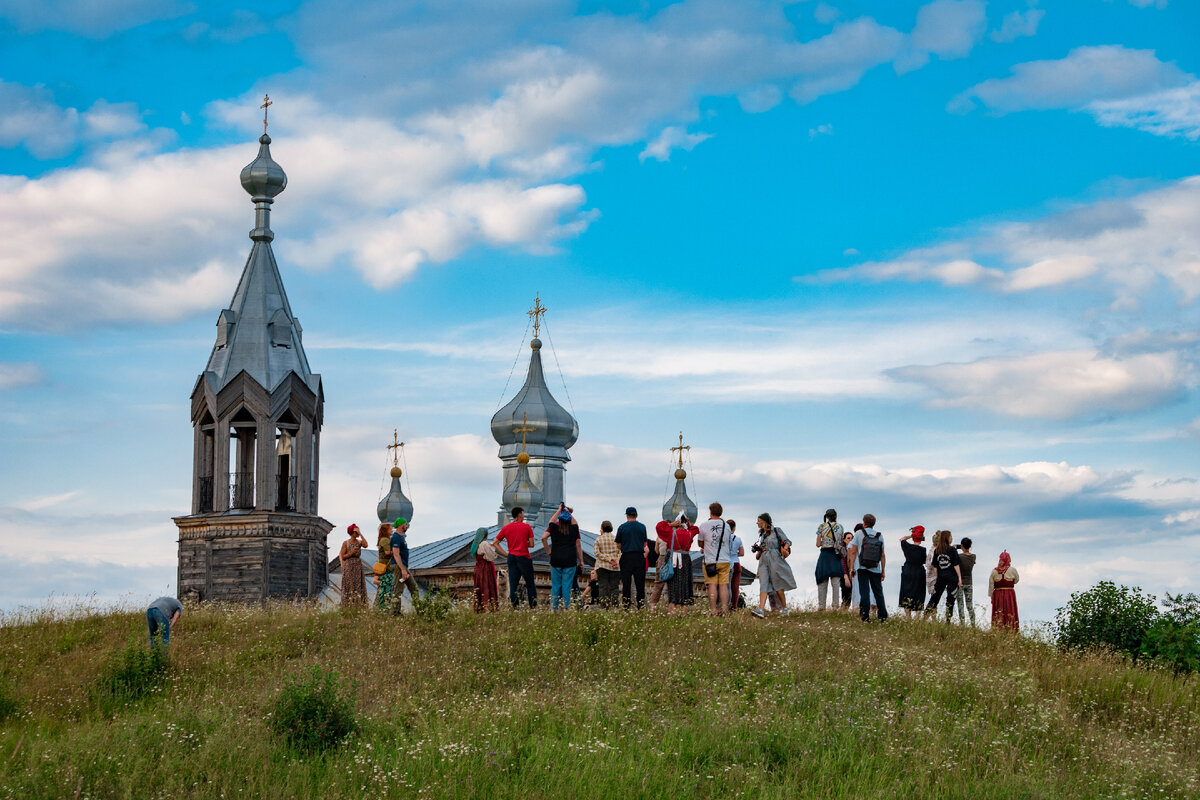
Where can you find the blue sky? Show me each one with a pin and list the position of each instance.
(936, 261)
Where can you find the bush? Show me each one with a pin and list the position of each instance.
(1106, 617)
(130, 675)
(1174, 639)
(435, 604)
(314, 710)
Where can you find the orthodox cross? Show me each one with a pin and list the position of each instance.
(395, 446)
(681, 448)
(525, 427)
(537, 312)
(266, 102)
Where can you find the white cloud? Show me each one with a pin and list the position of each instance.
(1019, 23)
(106, 120)
(671, 138)
(820, 130)
(33, 120)
(88, 17)
(1124, 245)
(1056, 384)
(945, 28)
(1169, 112)
(15, 375)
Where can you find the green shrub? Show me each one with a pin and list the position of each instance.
(130, 675)
(1174, 639)
(1106, 617)
(314, 710)
(435, 604)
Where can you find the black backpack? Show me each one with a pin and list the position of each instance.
(872, 551)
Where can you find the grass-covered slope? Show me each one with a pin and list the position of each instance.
(593, 705)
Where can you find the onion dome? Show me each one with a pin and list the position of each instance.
(523, 492)
(679, 502)
(263, 179)
(395, 504)
(553, 426)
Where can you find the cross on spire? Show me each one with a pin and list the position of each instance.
(537, 312)
(525, 427)
(267, 101)
(395, 447)
(680, 449)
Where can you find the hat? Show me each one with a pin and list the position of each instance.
(352, 528)
(918, 531)
(400, 521)
(631, 512)
(565, 516)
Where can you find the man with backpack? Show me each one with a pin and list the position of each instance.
(868, 555)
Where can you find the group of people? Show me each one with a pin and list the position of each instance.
(854, 562)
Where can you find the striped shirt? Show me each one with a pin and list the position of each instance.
(607, 552)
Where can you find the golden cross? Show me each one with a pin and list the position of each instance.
(536, 312)
(681, 448)
(395, 445)
(525, 427)
(266, 102)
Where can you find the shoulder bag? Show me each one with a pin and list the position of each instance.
(711, 569)
(666, 569)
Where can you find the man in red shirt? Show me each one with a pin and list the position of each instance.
(519, 538)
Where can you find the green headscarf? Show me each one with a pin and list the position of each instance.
(480, 535)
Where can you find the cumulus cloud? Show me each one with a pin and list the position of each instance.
(671, 138)
(87, 17)
(1017, 24)
(1125, 245)
(31, 119)
(1056, 384)
(1118, 86)
(945, 28)
(14, 375)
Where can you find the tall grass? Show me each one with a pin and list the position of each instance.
(598, 705)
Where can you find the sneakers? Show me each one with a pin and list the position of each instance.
(758, 612)
(783, 612)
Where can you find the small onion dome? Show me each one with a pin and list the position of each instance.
(523, 492)
(262, 177)
(522, 458)
(680, 474)
(395, 504)
(552, 425)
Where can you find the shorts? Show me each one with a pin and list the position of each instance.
(722, 576)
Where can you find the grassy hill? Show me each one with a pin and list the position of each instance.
(592, 705)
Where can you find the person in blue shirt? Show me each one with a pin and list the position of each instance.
(162, 614)
(631, 538)
(870, 578)
(399, 566)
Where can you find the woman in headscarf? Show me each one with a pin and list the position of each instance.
(912, 573)
(676, 538)
(487, 595)
(354, 585)
(1004, 599)
(774, 573)
(383, 576)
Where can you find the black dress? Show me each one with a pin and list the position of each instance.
(912, 577)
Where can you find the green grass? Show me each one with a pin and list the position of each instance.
(592, 705)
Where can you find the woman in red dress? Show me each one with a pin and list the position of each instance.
(1004, 598)
(354, 587)
(487, 595)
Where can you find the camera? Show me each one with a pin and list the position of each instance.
(958, 547)
(756, 548)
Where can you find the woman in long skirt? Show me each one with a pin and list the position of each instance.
(1004, 598)
(487, 594)
(354, 585)
(774, 573)
(678, 536)
(912, 573)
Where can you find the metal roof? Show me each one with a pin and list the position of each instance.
(553, 427)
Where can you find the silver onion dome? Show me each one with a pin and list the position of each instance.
(522, 492)
(534, 407)
(679, 503)
(263, 179)
(395, 504)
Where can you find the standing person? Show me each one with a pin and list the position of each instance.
(354, 584)
(774, 573)
(966, 566)
(631, 538)
(607, 568)
(383, 559)
(519, 536)
(715, 544)
(1004, 598)
(487, 593)
(677, 538)
(912, 572)
(737, 552)
(829, 565)
(399, 567)
(561, 539)
(655, 556)
(847, 568)
(870, 559)
(945, 558)
(161, 616)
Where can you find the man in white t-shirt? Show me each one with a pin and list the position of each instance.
(716, 544)
(737, 550)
